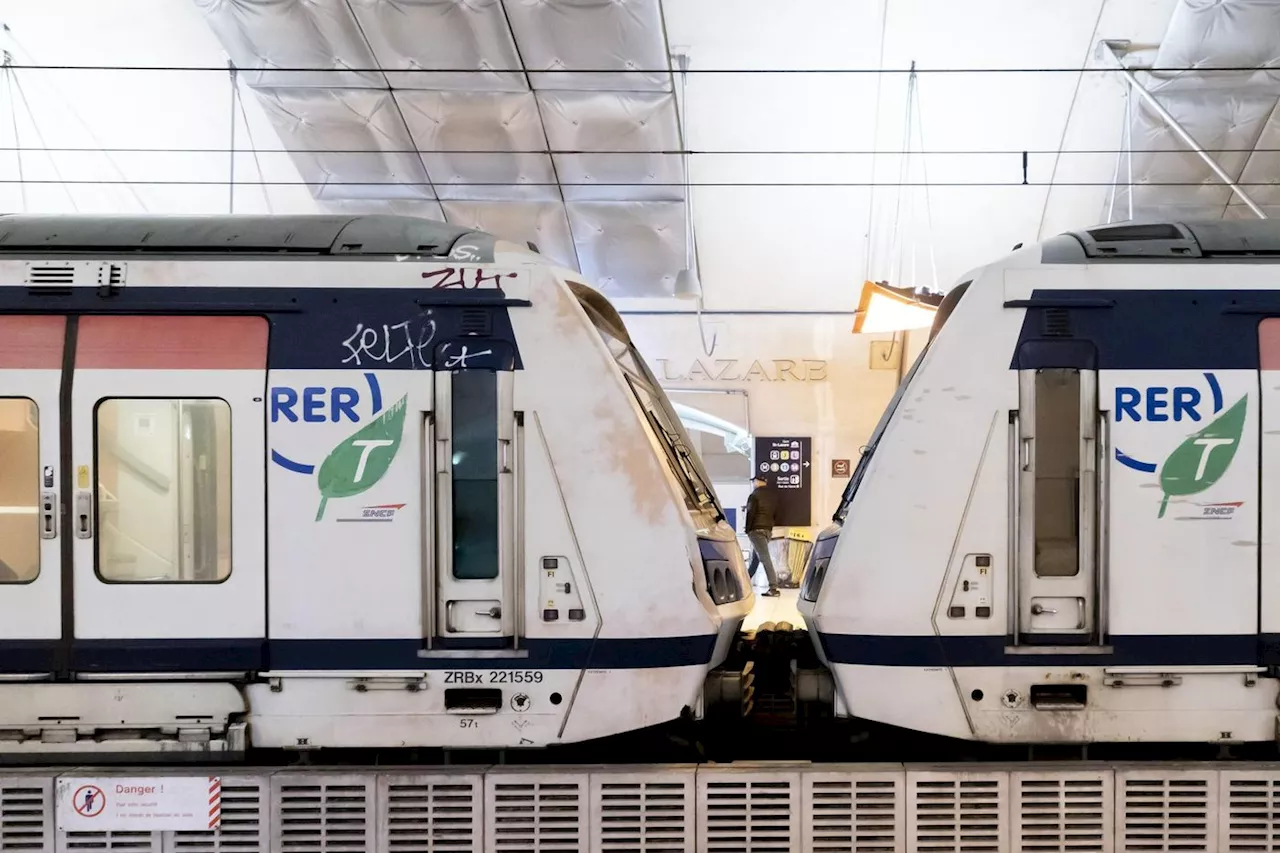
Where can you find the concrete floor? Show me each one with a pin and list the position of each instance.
(780, 609)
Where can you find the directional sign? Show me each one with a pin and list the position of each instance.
(785, 463)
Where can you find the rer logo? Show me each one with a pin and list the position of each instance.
(361, 459)
(1202, 457)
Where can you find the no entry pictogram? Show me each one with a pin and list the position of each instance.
(89, 801)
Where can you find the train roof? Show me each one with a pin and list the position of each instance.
(1165, 241)
(370, 234)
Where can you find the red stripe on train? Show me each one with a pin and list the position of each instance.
(172, 343)
(32, 343)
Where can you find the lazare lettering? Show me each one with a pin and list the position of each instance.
(758, 370)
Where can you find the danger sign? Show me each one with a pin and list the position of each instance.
(144, 804)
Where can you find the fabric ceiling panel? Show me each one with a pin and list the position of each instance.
(443, 124)
(261, 35)
(615, 122)
(1261, 174)
(1221, 34)
(320, 123)
(402, 207)
(544, 225)
(592, 35)
(407, 35)
(1228, 124)
(1228, 113)
(434, 138)
(630, 248)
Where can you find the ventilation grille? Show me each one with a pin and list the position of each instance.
(26, 809)
(638, 815)
(741, 814)
(1167, 811)
(51, 275)
(1062, 813)
(528, 815)
(956, 812)
(1057, 323)
(86, 842)
(1251, 819)
(476, 321)
(853, 813)
(243, 827)
(430, 814)
(56, 278)
(323, 815)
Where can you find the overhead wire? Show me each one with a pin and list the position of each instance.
(35, 127)
(624, 184)
(75, 114)
(875, 139)
(633, 152)
(248, 129)
(13, 119)
(207, 69)
(1071, 110)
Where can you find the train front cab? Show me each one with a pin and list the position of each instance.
(1099, 568)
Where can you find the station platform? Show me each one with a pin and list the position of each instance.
(743, 808)
(776, 610)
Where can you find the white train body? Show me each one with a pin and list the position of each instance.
(1064, 527)
(310, 482)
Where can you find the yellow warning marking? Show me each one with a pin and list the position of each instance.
(82, 477)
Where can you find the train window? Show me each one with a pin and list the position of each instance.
(475, 475)
(1057, 472)
(19, 490)
(664, 423)
(164, 490)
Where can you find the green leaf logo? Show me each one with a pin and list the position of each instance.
(362, 459)
(1203, 458)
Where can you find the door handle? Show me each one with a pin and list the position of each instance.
(1037, 609)
(492, 612)
(1026, 453)
(84, 514)
(48, 514)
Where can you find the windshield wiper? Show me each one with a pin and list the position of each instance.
(700, 485)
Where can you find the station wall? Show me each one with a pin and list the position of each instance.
(790, 375)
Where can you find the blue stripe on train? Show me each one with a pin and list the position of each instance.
(989, 651)
(237, 655)
(1145, 329)
(358, 328)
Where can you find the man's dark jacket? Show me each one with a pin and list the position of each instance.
(762, 509)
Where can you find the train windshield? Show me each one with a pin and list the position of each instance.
(661, 417)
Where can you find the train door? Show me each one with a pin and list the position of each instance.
(31, 361)
(1057, 498)
(167, 495)
(475, 463)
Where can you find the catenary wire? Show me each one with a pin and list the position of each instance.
(618, 184)
(673, 152)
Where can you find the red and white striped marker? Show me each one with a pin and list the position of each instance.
(215, 802)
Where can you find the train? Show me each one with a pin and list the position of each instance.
(1060, 531)
(336, 482)
(352, 484)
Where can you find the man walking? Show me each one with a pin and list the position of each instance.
(762, 511)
